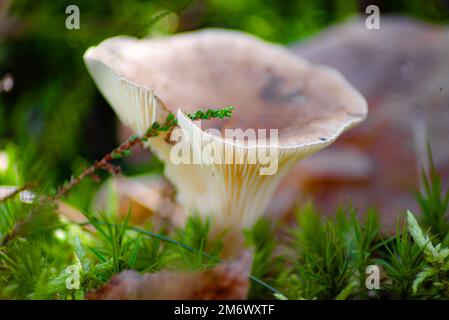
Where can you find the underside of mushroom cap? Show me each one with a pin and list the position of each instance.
(308, 105)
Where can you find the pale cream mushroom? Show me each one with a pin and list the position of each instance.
(309, 105)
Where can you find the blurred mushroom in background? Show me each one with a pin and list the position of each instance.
(403, 71)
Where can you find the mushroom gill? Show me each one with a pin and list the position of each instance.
(308, 105)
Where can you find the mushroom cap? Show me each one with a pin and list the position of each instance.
(270, 87)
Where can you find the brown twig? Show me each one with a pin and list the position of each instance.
(120, 152)
(123, 150)
(104, 164)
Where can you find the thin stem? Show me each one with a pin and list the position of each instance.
(104, 163)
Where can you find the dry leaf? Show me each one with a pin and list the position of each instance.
(226, 281)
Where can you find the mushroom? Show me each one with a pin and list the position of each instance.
(307, 105)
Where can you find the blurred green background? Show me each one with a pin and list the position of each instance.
(54, 113)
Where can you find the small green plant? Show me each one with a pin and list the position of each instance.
(403, 261)
(267, 264)
(434, 203)
(322, 269)
(435, 270)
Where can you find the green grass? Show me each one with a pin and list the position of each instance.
(318, 257)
